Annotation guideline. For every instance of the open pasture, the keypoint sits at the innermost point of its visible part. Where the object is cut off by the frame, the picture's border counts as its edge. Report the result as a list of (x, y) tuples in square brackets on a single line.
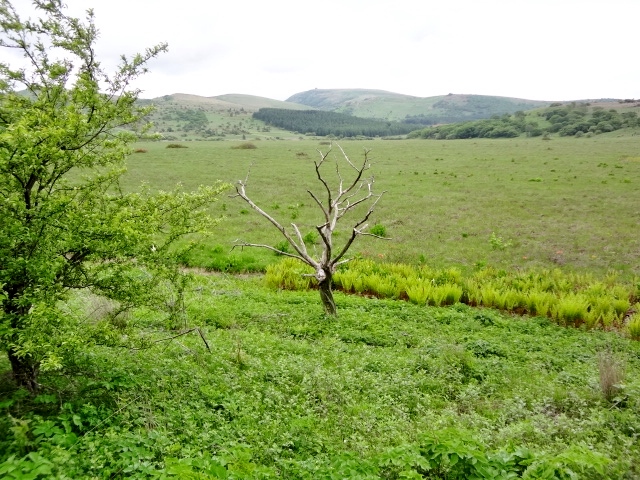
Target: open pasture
[(387, 389), (513, 204)]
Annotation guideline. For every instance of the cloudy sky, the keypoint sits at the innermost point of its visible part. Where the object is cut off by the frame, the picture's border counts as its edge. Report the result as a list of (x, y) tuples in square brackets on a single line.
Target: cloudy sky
[(533, 49)]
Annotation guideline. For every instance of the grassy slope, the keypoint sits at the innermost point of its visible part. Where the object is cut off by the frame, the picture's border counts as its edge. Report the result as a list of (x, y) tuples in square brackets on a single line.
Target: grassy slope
[(567, 203), (288, 393), (232, 113), (228, 114)]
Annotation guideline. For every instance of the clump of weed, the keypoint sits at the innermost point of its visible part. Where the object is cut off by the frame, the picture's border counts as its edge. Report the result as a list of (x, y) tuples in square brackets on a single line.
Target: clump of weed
[(311, 237), (570, 310), (290, 274), (282, 247), (245, 146), (498, 243), (611, 375), (379, 230), (176, 145), (484, 318), (633, 327)]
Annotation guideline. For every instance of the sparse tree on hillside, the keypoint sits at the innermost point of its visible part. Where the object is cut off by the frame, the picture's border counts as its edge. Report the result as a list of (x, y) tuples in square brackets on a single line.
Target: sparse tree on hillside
[(64, 222), (348, 197)]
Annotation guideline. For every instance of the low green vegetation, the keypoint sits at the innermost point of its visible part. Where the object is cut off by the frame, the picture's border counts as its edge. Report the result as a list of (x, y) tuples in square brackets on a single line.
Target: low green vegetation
[(395, 386), (386, 390), (450, 359), (568, 299)]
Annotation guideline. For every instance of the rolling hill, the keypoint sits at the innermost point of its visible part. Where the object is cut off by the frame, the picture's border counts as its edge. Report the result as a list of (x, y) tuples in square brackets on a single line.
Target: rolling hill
[(420, 110), (183, 116)]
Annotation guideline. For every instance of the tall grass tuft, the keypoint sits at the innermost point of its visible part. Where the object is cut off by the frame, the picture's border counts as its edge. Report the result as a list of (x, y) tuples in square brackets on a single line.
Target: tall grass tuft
[(538, 302), (289, 274), (571, 310), (633, 327), (419, 293), (447, 294), (245, 146), (611, 375)]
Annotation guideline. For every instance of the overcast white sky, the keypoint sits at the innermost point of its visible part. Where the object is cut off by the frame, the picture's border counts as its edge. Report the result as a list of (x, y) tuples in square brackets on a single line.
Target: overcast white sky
[(533, 49)]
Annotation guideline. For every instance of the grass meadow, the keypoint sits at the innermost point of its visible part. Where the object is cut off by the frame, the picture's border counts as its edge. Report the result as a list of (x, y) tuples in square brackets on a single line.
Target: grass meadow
[(512, 204), (261, 384)]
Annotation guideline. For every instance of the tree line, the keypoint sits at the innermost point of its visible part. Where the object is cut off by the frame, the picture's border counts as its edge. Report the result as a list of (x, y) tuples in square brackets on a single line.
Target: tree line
[(579, 119), (317, 122), (566, 120), (505, 126)]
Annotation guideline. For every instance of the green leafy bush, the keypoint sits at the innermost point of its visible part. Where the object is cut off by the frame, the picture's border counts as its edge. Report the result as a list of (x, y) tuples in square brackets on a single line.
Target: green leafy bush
[(633, 327), (379, 230)]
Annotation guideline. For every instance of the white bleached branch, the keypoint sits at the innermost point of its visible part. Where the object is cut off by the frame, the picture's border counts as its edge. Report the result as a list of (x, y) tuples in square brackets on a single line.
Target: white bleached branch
[(336, 205)]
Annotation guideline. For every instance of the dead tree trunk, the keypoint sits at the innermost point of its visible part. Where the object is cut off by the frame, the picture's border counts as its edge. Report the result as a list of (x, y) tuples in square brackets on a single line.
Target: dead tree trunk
[(333, 204), (326, 295)]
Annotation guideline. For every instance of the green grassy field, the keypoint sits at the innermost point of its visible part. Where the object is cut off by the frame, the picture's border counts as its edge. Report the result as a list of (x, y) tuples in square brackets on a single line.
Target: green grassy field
[(389, 389), (513, 204)]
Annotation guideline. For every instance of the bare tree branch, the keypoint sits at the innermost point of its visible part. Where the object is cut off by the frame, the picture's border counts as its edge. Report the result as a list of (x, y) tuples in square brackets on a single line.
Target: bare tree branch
[(339, 202), (323, 157), (303, 255), (269, 247)]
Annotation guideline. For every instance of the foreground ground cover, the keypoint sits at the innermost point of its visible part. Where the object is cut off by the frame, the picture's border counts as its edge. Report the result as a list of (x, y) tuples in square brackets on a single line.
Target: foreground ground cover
[(386, 390), (518, 203)]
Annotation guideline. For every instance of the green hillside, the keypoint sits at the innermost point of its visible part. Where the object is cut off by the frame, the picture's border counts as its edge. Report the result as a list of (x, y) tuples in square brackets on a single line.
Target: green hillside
[(571, 119), (229, 117), (420, 110), (192, 117)]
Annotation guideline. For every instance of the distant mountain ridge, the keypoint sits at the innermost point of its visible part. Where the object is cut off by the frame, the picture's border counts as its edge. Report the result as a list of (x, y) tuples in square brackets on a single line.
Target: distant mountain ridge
[(230, 116), (385, 105), (367, 103), (237, 101)]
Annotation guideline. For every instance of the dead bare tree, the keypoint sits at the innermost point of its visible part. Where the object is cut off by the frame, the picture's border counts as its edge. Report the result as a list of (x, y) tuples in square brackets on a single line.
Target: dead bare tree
[(334, 205)]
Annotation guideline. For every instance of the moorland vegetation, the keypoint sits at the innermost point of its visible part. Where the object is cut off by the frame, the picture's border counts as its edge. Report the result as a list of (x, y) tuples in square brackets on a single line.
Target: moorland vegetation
[(573, 119), (495, 336), (391, 106)]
